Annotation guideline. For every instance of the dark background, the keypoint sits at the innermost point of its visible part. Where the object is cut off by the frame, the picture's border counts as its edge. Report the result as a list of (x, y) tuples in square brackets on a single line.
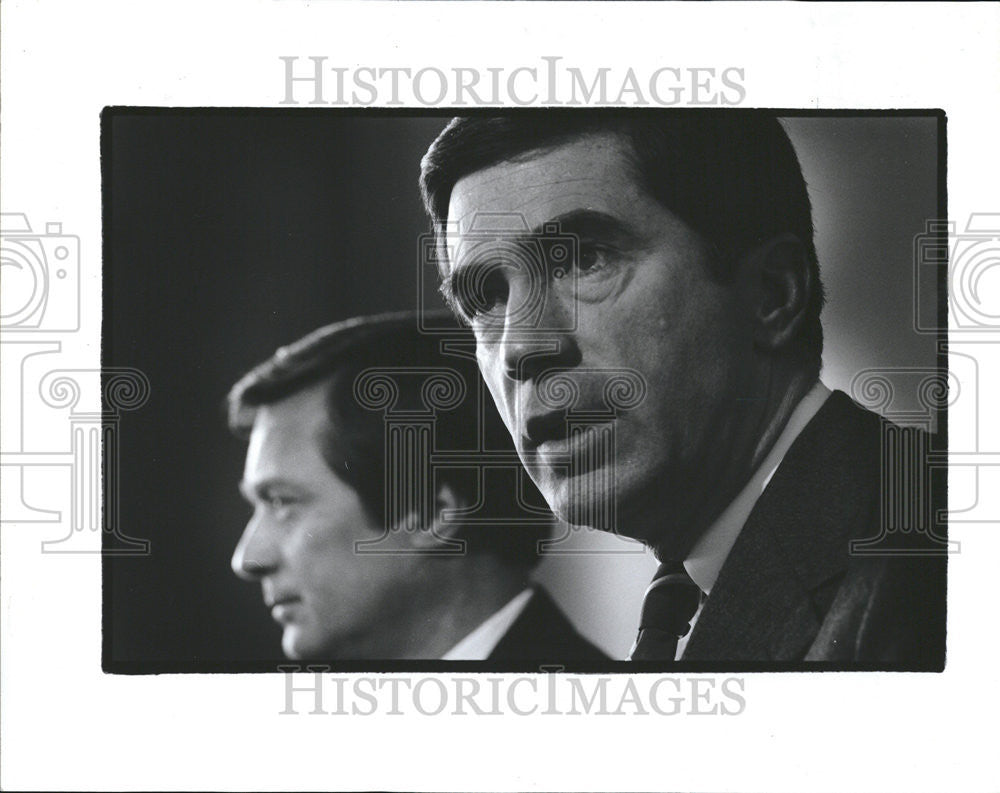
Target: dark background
[(230, 233)]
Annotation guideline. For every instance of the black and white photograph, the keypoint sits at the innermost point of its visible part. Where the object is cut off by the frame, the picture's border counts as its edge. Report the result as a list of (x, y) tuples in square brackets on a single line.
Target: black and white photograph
[(591, 388), (410, 395)]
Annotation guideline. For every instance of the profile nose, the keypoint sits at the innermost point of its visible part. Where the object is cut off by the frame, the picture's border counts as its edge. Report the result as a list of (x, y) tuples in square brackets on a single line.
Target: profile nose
[(256, 553)]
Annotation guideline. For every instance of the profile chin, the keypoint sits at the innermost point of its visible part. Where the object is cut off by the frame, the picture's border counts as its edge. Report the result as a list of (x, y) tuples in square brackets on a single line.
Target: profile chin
[(289, 646)]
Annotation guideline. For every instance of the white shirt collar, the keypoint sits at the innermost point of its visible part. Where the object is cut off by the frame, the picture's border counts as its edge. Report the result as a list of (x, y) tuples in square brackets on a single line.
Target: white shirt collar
[(478, 645), (707, 556)]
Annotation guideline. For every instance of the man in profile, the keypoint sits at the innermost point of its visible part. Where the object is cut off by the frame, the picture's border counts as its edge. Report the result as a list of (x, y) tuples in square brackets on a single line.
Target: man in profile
[(365, 547), (695, 274)]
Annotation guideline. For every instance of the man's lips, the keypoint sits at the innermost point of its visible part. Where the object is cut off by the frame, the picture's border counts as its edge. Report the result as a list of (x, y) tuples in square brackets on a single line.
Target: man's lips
[(543, 427), (547, 442), (280, 600), (283, 608)]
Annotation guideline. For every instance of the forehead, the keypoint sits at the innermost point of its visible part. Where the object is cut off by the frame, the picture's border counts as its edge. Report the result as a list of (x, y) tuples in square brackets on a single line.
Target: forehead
[(288, 431), (593, 171)]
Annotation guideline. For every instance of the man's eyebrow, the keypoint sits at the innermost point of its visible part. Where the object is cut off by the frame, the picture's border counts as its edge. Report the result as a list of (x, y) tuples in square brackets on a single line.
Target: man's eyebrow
[(578, 222), (589, 223), (581, 223)]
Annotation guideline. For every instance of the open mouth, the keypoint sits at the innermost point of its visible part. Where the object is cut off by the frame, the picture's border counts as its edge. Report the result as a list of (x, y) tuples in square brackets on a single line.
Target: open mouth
[(574, 453), (544, 428)]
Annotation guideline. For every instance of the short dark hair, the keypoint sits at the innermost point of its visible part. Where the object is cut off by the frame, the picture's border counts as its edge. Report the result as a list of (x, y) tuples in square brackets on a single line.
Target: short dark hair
[(731, 175), (354, 445)]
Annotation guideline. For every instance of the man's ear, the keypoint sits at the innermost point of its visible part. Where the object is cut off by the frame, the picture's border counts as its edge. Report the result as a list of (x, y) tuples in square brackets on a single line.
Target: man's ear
[(445, 525), (781, 287)]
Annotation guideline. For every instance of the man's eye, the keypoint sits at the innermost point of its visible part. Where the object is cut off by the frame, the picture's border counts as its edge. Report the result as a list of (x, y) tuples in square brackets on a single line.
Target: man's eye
[(480, 291), (278, 503), (592, 257)]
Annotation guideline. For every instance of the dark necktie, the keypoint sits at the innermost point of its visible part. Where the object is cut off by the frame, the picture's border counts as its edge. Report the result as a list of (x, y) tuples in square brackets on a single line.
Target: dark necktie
[(670, 602)]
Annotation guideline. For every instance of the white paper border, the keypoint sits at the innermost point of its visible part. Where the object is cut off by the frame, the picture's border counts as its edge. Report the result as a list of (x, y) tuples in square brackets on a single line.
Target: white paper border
[(67, 726)]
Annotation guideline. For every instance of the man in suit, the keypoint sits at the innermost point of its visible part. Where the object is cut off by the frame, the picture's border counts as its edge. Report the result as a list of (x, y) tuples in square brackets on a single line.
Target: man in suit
[(391, 518), (694, 277)]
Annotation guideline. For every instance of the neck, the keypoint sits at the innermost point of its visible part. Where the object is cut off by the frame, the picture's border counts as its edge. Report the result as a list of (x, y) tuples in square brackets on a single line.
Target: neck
[(752, 439), (456, 596)]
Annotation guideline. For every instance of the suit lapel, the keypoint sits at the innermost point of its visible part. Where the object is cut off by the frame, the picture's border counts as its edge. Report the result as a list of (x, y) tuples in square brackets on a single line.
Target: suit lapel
[(774, 588)]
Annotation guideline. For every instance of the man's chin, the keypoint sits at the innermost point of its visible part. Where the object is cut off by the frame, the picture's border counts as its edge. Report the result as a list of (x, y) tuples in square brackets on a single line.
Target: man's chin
[(595, 504), (297, 646), (590, 506), (300, 646), (290, 645)]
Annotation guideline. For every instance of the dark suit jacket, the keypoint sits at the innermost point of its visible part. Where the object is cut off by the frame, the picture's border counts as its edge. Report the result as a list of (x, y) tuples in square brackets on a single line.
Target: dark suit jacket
[(792, 590), (543, 634)]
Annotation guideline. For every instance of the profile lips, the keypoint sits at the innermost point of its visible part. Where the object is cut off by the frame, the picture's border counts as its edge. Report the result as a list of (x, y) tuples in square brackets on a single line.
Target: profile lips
[(279, 601)]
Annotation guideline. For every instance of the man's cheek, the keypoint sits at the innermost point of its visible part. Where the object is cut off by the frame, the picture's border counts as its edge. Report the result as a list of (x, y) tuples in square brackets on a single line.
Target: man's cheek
[(510, 418), (504, 400), (488, 369)]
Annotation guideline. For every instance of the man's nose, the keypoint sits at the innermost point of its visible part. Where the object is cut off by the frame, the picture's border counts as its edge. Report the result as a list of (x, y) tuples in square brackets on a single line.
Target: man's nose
[(257, 552), (538, 331)]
